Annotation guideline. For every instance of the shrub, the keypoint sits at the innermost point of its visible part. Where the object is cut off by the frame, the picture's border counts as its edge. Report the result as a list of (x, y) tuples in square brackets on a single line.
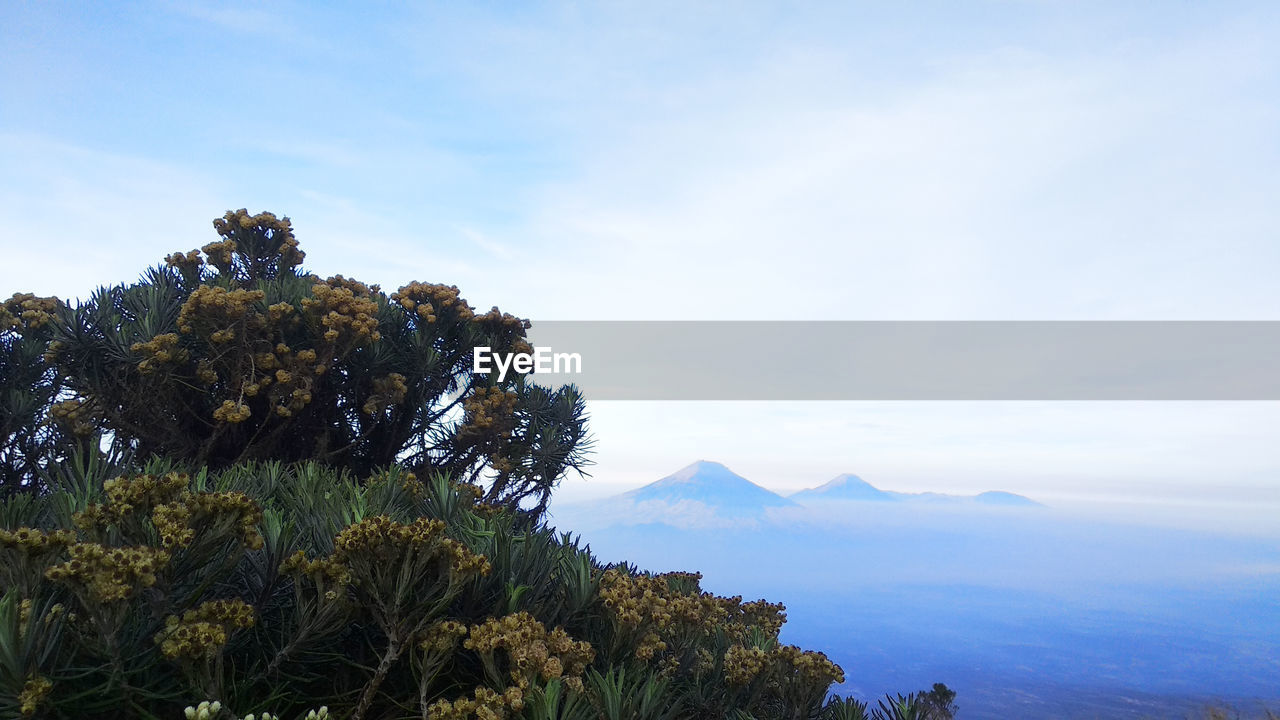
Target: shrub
[(278, 588), (233, 354), (235, 489)]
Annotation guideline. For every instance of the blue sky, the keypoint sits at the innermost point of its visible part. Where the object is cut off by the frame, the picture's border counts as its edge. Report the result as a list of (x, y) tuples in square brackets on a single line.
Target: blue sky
[(650, 160)]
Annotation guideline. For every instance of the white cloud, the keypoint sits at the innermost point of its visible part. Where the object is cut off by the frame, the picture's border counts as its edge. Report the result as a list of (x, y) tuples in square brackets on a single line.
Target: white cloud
[(1010, 186), (76, 218)]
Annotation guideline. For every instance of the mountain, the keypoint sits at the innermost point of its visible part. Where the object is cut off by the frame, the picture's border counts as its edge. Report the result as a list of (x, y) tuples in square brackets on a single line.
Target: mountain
[(711, 484), (708, 495), (852, 487), (844, 487), (999, 497), (703, 495)]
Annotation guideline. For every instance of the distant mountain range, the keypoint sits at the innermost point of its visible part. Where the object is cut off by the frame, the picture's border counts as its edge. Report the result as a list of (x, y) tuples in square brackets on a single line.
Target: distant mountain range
[(709, 494), (852, 487)]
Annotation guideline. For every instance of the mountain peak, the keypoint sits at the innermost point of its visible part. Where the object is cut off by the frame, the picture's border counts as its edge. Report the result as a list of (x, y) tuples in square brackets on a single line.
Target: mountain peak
[(844, 481), (1000, 497), (710, 483), (702, 470), (844, 487)]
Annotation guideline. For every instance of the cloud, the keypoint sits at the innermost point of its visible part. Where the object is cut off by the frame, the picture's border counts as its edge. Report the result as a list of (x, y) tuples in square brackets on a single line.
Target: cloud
[(488, 244), (80, 217), (1024, 190)]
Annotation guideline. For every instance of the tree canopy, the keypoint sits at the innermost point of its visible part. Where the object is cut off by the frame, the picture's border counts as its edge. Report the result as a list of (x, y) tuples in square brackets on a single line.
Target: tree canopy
[(234, 353)]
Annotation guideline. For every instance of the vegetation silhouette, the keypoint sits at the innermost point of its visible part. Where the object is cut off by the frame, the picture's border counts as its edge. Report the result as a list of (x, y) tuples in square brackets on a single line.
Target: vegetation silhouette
[(235, 488)]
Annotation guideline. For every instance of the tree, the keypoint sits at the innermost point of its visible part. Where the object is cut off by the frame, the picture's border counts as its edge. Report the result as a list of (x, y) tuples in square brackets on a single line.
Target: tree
[(233, 354), (940, 701), (267, 540), (34, 430)]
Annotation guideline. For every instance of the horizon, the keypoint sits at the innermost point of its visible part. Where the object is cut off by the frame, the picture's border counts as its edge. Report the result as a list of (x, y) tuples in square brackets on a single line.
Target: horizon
[(1227, 516)]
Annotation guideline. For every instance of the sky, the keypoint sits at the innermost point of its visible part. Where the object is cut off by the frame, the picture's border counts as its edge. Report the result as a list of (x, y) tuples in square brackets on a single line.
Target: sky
[(709, 161)]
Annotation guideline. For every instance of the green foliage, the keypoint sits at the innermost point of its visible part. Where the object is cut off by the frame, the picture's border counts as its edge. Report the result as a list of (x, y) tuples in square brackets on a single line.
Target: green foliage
[(235, 354), (235, 489), (280, 588), (940, 701), (33, 431), (845, 709), (904, 707), (615, 696)]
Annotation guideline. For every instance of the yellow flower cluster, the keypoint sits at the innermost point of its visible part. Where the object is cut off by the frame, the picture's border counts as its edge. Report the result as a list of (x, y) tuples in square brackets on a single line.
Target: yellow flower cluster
[(24, 615), (290, 375), (25, 311), (258, 364), (174, 510), (650, 645), (648, 600), (216, 311), (703, 662), (659, 612), (381, 539), (7, 319), (34, 543), (280, 311), (442, 637), (812, 667), (232, 412), (412, 485), (485, 704), (33, 693), (281, 230), (345, 309), (186, 262), (229, 505), (205, 372), (73, 415), (428, 301), (324, 572), (109, 574), (221, 254), (205, 711), (201, 633), (744, 664), (490, 409), (488, 422), (767, 616), (355, 286), (269, 246), (127, 493), (470, 491), (531, 650), (158, 351), (507, 330), (387, 391)]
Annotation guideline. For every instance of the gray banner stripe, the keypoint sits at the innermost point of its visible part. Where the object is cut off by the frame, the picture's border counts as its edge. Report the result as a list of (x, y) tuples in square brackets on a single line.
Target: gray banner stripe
[(891, 360)]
